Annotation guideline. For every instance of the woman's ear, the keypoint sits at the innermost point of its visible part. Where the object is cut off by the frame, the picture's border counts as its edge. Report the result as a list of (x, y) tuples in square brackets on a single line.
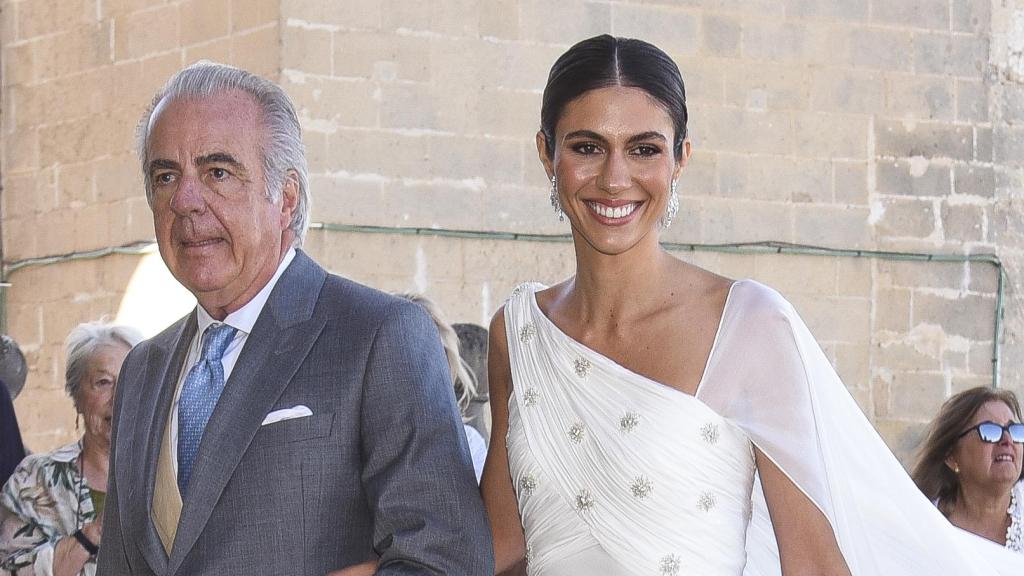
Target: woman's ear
[(683, 159), (546, 156)]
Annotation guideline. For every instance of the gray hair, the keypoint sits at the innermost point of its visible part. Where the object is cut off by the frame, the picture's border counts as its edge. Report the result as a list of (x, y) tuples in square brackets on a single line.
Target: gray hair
[(282, 148), (82, 343)]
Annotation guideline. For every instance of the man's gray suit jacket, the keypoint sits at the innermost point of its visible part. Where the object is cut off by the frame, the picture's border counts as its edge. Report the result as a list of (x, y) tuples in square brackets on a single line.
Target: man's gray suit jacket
[(380, 468)]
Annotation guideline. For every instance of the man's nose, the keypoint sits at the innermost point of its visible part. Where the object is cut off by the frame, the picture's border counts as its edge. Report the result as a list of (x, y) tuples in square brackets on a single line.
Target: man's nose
[(188, 196)]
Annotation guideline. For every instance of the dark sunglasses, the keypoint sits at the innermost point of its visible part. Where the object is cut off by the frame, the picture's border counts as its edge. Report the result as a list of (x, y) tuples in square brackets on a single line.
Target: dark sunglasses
[(992, 433)]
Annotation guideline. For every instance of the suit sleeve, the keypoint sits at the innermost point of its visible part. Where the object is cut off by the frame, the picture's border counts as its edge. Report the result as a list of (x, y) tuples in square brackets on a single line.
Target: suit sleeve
[(417, 470), (112, 559)]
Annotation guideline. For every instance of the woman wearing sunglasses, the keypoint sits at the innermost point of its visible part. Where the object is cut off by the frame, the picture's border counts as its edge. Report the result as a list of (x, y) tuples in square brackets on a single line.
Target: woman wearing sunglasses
[(970, 464)]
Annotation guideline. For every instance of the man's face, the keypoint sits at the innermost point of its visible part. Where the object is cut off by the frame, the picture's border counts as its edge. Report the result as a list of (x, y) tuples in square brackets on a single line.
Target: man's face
[(218, 233)]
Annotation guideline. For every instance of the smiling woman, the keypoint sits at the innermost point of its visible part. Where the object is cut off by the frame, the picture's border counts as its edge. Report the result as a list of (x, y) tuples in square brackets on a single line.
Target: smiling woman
[(53, 503), (652, 417)]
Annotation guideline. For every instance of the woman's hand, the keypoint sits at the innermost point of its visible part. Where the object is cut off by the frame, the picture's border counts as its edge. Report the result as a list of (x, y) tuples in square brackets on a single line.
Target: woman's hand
[(364, 569), (69, 556)]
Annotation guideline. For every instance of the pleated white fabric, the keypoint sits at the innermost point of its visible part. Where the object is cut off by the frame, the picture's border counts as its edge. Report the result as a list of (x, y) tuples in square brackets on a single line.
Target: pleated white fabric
[(618, 474)]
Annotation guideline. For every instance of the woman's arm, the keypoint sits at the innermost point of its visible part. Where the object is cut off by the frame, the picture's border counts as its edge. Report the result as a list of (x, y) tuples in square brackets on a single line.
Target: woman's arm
[(807, 543), (496, 485), (29, 544)]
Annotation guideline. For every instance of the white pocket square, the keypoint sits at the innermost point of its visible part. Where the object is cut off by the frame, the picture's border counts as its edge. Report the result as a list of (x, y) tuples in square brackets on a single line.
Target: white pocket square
[(299, 411)]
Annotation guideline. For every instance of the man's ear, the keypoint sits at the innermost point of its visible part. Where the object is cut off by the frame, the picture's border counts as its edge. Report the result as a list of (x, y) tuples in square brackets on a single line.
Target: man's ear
[(289, 197)]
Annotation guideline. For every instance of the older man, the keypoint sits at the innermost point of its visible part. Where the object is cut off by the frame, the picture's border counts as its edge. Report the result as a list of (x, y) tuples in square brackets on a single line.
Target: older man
[(295, 422)]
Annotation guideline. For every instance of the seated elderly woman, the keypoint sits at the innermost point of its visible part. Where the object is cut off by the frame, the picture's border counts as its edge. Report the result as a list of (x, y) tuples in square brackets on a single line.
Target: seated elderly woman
[(970, 464), (53, 502)]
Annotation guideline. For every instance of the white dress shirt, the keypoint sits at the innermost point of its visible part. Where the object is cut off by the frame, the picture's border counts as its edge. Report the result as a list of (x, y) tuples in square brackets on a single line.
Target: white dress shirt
[(242, 320)]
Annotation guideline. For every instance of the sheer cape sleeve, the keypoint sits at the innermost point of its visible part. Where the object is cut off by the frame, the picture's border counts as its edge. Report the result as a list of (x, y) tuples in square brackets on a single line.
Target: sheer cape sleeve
[(767, 375)]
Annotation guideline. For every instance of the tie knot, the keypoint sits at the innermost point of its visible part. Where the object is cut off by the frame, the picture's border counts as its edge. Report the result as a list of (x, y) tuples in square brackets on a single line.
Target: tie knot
[(215, 341)]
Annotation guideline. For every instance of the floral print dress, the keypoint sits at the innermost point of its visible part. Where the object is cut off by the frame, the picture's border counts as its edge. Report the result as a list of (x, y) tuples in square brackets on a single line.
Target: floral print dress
[(45, 500)]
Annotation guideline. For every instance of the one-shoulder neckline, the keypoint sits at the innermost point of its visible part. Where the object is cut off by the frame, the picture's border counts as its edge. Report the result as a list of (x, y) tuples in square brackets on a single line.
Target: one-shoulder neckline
[(707, 363)]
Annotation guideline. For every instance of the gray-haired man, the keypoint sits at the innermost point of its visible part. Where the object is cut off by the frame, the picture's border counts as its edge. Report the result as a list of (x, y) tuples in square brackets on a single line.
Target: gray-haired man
[(295, 422)]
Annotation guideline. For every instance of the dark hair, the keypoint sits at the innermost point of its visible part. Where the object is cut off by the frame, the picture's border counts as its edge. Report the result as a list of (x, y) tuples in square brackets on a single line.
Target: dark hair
[(931, 474), (604, 61)]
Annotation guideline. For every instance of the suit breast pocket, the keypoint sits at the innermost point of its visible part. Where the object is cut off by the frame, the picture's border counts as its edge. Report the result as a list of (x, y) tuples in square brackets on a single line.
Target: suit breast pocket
[(294, 430)]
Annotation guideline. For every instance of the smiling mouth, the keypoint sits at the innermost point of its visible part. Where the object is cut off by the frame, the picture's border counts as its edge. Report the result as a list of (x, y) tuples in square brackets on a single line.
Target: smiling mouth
[(200, 243), (1005, 458), (616, 213)]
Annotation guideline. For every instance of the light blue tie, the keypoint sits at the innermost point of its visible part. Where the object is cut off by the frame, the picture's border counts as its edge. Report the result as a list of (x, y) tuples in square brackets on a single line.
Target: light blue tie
[(199, 395)]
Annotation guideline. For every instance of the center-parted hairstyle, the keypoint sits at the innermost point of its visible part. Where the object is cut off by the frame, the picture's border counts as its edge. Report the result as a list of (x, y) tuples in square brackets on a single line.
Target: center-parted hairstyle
[(604, 61), (280, 147)]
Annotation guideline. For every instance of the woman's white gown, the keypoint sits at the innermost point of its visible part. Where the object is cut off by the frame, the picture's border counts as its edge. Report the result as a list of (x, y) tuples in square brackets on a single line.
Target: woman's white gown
[(618, 474)]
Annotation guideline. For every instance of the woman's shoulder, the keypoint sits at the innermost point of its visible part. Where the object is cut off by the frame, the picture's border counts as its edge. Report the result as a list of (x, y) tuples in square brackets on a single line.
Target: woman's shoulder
[(37, 469)]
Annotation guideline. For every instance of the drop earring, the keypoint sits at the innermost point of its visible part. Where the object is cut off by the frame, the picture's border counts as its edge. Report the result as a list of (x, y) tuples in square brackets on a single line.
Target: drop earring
[(554, 200), (672, 209)]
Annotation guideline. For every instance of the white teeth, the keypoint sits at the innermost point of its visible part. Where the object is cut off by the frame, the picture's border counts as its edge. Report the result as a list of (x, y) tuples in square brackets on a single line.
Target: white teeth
[(609, 212)]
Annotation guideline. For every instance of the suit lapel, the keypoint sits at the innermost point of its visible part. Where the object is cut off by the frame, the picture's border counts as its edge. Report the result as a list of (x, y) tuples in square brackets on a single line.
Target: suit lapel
[(161, 379), (280, 340)]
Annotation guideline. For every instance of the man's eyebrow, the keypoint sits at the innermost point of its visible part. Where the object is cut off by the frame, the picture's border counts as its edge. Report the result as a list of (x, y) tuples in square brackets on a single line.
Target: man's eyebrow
[(220, 158), (161, 163)]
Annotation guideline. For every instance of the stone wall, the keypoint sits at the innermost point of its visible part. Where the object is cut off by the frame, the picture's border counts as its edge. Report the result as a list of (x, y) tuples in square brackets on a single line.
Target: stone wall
[(855, 124)]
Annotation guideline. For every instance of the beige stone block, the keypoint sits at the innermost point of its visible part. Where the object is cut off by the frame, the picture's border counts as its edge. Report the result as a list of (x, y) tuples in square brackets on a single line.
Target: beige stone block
[(218, 50), (797, 274), (850, 183), (19, 64), (728, 221), (983, 278), (918, 395), (853, 363), (920, 97), (341, 200), (337, 102), (20, 191), (974, 180), (24, 321), (963, 223), (254, 14), (720, 35), (827, 10), (499, 20), (854, 277), (832, 226), (779, 41), (134, 220), (903, 438), (741, 131), (971, 17), (204, 20), (906, 217), (342, 13), (76, 188), (560, 22), (437, 206), (847, 91), (21, 237), (514, 208), (951, 54), (938, 275), (979, 359), (43, 18), (46, 418), (884, 49), (846, 137), (932, 14), (676, 31), (916, 177), (74, 50), (907, 357), (786, 179), (505, 113), (259, 51), (970, 316), (834, 318), (415, 106), (117, 177), (982, 144), (139, 34), (319, 158), (452, 18), (385, 56), (24, 156), (927, 139), (307, 50), (704, 82), (766, 86), (892, 309), (972, 100), (109, 8), (700, 175), (93, 227), (528, 66)]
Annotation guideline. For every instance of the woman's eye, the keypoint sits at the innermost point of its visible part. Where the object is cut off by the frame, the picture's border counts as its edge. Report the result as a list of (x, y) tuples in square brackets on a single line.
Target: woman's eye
[(586, 148), (646, 150), (104, 383)]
